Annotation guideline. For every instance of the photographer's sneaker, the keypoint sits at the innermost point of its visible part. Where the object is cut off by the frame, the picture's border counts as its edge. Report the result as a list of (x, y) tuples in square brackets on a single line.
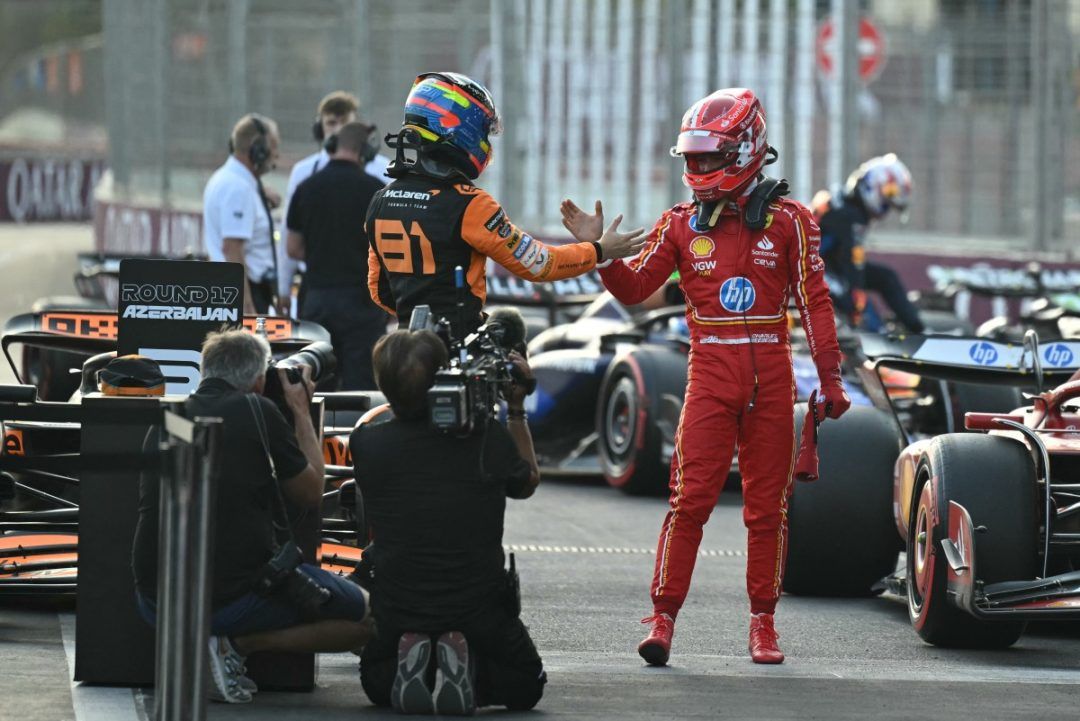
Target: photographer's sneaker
[(226, 673), (410, 693), (454, 695), (238, 665)]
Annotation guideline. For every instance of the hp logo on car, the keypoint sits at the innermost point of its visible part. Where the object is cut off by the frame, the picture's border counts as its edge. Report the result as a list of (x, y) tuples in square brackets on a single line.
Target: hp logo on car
[(737, 294), (1058, 355), (983, 353)]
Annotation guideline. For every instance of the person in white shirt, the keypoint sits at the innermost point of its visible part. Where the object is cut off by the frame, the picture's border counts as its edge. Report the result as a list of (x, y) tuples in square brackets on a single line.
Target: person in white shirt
[(237, 226), (334, 111)]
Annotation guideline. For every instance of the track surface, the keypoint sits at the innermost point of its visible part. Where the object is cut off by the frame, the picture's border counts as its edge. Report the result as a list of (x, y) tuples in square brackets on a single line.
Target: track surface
[(585, 588), (36, 261)]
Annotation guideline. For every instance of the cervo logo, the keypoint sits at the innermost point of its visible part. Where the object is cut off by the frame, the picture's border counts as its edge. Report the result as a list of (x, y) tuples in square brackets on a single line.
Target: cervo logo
[(737, 294), (1058, 355), (983, 353), (702, 246)]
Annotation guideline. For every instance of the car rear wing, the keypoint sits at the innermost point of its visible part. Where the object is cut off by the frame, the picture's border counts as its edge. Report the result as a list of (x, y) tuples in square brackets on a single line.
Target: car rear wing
[(94, 331), (975, 360)]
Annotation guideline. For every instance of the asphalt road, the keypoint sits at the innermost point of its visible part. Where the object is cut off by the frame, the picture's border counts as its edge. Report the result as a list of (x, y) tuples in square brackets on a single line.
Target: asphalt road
[(36, 261), (584, 553)]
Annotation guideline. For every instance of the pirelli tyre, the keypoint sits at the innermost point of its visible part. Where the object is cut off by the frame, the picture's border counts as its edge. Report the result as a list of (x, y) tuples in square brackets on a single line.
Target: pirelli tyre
[(637, 413), (842, 537), (994, 479)]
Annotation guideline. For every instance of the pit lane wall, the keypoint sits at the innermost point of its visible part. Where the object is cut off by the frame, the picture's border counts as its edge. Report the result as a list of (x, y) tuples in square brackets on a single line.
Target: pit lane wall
[(124, 227), (42, 187)]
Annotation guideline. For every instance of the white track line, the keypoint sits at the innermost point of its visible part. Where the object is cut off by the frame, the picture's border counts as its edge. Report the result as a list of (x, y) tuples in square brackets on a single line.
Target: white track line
[(532, 548)]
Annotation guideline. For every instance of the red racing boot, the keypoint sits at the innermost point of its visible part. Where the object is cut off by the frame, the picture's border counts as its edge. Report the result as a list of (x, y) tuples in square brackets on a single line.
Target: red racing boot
[(656, 648), (763, 636)]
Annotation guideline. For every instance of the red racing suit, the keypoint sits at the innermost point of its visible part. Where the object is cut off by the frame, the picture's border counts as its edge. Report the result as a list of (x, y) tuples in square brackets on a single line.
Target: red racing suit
[(740, 386)]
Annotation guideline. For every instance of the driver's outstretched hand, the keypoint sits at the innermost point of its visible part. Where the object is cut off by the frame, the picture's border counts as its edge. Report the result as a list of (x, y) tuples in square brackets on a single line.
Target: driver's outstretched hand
[(621, 245), (584, 227)]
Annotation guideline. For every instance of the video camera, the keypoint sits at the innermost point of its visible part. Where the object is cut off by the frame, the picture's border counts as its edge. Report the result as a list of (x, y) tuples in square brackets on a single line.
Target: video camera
[(465, 393), (318, 356)]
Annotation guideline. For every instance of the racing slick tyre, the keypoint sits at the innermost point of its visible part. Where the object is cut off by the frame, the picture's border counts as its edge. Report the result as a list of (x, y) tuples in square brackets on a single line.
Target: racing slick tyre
[(641, 398), (994, 479), (842, 535)]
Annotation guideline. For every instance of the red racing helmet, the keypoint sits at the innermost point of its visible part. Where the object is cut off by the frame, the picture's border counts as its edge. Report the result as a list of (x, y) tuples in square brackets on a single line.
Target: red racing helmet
[(729, 126)]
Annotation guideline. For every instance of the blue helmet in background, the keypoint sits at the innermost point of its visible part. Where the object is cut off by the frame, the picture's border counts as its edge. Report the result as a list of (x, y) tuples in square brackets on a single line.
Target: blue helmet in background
[(449, 119)]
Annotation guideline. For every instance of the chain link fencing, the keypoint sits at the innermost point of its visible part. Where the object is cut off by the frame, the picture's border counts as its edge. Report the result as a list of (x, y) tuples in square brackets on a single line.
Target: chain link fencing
[(978, 97)]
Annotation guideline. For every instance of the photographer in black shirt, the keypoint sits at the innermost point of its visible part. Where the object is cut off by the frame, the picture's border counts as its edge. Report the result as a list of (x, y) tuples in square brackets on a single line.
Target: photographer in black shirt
[(261, 599), (326, 230), (448, 635)]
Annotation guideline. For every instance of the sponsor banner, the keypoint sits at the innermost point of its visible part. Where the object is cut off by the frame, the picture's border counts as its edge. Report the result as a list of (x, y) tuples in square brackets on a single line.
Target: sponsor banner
[(1058, 355), (48, 189), (123, 229), (167, 307), (922, 271)]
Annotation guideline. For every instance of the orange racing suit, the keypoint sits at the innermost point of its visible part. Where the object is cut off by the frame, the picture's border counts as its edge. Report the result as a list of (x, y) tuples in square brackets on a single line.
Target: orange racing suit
[(420, 228)]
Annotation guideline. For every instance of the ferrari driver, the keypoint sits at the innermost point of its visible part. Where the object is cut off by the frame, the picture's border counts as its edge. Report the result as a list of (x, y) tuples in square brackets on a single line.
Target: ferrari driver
[(431, 219), (741, 250)]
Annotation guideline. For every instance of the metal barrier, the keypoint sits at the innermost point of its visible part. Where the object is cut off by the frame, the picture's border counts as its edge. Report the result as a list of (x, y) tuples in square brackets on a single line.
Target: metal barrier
[(191, 449)]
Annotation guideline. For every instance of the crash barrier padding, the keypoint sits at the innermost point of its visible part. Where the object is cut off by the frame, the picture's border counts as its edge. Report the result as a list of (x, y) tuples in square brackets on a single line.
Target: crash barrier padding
[(112, 643)]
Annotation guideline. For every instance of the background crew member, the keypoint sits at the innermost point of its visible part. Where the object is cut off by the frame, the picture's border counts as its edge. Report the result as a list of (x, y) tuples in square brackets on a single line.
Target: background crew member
[(872, 190), (334, 111), (435, 504), (236, 215), (431, 218), (257, 472), (742, 250), (326, 230)]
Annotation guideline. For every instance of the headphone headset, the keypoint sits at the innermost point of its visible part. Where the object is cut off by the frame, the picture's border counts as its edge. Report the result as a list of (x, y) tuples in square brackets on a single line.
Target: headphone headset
[(317, 130), (259, 152)]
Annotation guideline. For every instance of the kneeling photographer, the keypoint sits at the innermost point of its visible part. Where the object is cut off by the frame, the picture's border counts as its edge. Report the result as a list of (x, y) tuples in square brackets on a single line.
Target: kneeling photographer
[(263, 596), (448, 636)]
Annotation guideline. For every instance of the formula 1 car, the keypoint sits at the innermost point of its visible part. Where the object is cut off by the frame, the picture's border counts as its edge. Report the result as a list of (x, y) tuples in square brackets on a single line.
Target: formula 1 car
[(989, 520), (39, 458)]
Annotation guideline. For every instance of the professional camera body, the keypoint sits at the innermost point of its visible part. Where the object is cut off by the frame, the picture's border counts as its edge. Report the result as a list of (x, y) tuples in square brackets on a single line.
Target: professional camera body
[(479, 374), (283, 575), (319, 357)]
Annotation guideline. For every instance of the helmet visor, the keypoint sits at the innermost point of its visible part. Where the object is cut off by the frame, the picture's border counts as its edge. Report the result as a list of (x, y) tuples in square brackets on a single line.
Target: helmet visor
[(699, 141), (708, 162)]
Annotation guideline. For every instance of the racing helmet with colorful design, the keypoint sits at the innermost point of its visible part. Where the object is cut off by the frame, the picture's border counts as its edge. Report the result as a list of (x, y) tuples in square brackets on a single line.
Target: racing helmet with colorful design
[(729, 123), (454, 117), (881, 183)]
